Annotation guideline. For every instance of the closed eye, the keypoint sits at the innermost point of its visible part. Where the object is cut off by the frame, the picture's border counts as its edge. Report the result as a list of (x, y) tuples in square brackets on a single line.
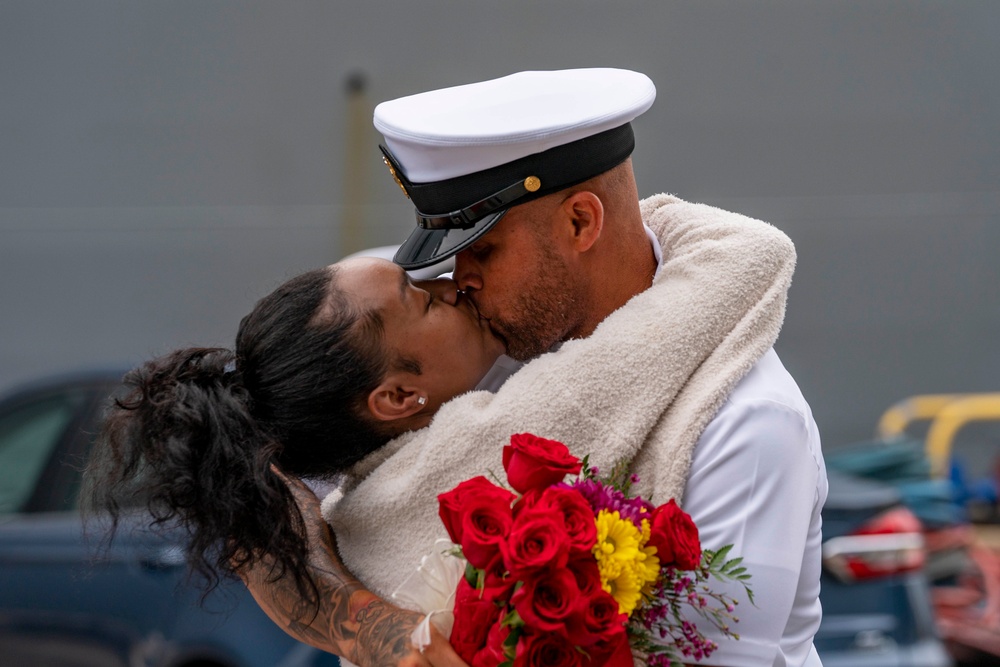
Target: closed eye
[(480, 250)]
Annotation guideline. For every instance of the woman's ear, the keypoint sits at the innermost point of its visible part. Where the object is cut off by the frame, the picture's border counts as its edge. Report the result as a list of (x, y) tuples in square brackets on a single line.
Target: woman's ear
[(392, 400), (586, 213)]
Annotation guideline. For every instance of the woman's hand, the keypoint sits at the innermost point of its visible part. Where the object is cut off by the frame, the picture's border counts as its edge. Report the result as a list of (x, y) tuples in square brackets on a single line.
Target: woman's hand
[(349, 620)]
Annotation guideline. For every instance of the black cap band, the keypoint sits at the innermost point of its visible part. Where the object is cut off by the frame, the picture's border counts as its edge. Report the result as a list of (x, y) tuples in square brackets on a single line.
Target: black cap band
[(457, 203)]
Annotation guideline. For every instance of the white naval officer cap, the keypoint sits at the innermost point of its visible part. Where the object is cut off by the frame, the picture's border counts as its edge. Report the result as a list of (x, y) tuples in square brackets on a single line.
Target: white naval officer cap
[(464, 155)]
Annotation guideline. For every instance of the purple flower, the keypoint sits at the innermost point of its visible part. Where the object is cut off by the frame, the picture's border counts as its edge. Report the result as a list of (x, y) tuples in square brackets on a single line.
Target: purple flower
[(611, 499)]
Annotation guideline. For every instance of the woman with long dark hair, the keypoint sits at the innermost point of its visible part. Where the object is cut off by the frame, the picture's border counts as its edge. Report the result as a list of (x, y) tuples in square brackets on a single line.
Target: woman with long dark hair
[(314, 384)]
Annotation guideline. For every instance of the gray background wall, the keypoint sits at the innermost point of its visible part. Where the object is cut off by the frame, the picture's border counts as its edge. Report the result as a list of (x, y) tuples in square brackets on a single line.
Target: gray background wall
[(164, 164)]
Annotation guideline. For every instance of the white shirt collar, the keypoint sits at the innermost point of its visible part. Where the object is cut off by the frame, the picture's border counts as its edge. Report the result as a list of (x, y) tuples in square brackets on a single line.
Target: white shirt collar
[(657, 249)]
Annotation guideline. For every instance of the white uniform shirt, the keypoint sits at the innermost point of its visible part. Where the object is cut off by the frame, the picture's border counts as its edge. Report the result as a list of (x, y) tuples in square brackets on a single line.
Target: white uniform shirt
[(758, 482)]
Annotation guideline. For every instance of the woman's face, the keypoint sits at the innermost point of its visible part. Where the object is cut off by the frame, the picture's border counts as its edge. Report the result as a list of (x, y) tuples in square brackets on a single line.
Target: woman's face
[(429, 322)]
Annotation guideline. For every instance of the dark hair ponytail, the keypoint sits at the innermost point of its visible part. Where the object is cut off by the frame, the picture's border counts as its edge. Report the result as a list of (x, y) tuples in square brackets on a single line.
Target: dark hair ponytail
[(198, 431)]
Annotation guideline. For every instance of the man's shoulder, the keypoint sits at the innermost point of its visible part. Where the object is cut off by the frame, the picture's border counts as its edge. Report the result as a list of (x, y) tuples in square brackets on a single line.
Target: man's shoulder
[(765, 426), (765, 406), (768, 382)]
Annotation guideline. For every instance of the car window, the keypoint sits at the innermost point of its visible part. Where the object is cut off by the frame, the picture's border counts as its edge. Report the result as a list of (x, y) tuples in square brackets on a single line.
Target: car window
[(29, 434)]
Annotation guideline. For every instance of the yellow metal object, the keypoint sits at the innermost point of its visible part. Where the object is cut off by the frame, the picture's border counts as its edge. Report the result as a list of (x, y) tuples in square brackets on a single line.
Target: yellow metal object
[(896, 419), (395, 177), (950, 420), (532, 183)]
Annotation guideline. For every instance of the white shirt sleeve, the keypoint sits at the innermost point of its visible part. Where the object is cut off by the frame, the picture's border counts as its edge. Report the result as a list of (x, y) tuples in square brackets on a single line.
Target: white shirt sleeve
[(757, 481)]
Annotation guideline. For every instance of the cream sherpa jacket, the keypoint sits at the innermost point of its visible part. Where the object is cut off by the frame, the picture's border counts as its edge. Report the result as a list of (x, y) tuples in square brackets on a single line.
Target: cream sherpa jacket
[(642, 387)]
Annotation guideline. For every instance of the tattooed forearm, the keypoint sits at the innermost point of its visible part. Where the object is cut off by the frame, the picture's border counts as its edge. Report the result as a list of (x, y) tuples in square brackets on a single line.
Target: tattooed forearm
[(346, 619), (385, 637)]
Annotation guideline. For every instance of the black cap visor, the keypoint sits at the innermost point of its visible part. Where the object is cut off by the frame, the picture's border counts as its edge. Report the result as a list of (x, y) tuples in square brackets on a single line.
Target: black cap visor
[(426, 247)]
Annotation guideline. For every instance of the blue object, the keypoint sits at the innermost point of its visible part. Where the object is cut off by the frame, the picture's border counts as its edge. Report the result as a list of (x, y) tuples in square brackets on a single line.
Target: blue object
[(903, 463), (882, 621), (133, 607)]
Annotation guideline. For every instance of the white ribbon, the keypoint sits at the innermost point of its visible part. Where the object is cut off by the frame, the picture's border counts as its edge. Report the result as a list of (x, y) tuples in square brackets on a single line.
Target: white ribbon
[(431, 589)]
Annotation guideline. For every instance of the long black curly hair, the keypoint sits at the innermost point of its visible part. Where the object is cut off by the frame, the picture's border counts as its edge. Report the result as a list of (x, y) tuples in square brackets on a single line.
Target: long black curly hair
[(199, 429)]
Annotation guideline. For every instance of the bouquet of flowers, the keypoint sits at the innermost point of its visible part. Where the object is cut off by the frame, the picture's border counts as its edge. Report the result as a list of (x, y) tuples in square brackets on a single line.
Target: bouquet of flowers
[(578, 572)]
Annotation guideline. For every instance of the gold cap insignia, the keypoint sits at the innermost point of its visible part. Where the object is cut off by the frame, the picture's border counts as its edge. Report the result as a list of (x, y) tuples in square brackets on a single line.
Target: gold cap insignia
[(532, 183), (395, 177)]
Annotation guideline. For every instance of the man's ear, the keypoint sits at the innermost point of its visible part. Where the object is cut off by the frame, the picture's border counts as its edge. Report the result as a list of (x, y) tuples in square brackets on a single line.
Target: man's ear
[(394, 400), (585, 212)]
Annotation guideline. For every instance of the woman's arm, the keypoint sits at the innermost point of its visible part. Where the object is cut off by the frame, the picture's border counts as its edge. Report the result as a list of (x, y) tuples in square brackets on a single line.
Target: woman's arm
[(350, 621)]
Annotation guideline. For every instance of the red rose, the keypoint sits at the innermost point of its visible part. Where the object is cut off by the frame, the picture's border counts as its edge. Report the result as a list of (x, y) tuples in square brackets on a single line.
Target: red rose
[(546, 649), (535, 463), (597, 612), (588, 576), (602, 624), (473, 618), (536, 541), (577, 515), (675, 537), (493, 654), (548, 601), (618, 654), (468, 497), (484, 527), (527, 501)]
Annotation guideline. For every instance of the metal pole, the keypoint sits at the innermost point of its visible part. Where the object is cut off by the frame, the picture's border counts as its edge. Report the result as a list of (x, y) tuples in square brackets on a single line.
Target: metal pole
[(356, 147)]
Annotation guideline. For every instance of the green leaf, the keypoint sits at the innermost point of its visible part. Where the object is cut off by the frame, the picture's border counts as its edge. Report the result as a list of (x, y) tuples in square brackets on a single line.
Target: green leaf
[(510, 644), (720, 555), (472, 575), (729, 564), (513, 620)]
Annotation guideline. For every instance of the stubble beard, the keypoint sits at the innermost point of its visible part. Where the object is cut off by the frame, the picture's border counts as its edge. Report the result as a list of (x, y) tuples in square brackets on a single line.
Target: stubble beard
[(544, 314)]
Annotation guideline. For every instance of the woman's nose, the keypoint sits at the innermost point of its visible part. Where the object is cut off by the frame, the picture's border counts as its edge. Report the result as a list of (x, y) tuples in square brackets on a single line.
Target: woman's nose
[(445, 289)]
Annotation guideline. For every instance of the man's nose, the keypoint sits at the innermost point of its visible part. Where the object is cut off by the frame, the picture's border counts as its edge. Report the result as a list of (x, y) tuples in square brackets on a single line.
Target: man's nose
[(445, 289), (466, 273)]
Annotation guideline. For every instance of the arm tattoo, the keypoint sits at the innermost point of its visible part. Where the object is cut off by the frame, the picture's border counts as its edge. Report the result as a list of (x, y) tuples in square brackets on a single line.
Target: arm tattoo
[(348, 620)]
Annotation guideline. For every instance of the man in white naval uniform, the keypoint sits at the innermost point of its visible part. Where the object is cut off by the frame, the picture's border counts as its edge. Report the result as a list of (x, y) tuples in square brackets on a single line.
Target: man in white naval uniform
[(479, 163)]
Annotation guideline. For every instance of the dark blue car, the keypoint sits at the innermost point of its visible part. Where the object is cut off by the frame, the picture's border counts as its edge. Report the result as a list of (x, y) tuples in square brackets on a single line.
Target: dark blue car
[(133, 606)]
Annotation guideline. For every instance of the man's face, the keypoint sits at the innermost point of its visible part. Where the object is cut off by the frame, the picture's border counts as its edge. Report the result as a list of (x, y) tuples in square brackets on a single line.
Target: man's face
[(520, 282)]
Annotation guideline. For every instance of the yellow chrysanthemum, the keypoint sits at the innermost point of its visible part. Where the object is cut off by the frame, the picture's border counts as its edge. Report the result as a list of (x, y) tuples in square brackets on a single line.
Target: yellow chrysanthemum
[(650, 564), (628, 567)]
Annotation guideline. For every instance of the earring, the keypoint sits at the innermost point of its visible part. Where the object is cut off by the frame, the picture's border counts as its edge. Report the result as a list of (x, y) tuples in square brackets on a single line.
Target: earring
[(422, 400)]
